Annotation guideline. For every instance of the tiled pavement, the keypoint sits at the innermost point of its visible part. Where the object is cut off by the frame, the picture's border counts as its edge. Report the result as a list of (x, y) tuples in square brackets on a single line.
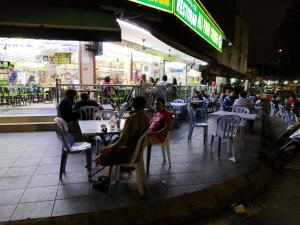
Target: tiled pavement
[(30, 187)]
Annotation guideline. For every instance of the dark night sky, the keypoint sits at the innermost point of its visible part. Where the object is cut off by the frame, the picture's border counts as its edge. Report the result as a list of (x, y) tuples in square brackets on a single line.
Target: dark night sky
[(265, 20)]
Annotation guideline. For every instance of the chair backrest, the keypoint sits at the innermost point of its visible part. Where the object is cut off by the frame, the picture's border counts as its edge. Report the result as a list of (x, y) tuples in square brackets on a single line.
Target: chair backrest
[(123, 107), (105, 115), (241, 109), (63, 132), (139, 148), (200, 115), (281, 109), (88, 112), (252, 99), (179, 101), (272, 108), (227, 126), (287, 118)]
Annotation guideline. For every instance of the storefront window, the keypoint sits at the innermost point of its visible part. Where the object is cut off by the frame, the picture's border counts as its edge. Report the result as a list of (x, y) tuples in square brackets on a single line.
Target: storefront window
[(176, 70), (40, 61)]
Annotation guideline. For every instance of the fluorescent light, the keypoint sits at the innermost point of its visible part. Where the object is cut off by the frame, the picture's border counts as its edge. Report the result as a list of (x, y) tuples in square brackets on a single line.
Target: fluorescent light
[(132, 26), (285, 82), (295, 81)]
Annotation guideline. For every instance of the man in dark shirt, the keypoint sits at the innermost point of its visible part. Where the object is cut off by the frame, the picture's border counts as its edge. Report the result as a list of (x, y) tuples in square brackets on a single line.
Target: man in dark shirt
[(85, 101), (66, 111)]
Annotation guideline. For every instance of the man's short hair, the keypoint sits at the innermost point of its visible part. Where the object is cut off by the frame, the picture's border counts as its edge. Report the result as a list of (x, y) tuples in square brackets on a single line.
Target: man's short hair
[(139, 102), (197, 92), (243, 94), (161, 99), (70, 93), (12, 65), (84, 96), (164, 78)]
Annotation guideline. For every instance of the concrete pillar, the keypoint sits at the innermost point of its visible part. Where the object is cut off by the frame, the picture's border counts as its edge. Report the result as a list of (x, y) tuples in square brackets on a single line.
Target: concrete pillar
[(87, 65)]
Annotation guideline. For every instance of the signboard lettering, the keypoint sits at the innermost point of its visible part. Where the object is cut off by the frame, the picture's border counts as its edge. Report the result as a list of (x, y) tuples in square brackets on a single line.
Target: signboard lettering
[(164, 5), (193, 15)]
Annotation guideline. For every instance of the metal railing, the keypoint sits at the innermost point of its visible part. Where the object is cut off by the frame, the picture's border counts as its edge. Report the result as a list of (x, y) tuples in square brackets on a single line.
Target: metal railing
[(118, 94)]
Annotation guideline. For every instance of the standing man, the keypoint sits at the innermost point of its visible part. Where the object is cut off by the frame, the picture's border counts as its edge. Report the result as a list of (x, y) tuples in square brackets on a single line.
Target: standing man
[(13, 77)]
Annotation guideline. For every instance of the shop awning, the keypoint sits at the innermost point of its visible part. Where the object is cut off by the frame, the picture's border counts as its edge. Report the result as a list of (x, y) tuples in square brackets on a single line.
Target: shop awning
[(55, 22)]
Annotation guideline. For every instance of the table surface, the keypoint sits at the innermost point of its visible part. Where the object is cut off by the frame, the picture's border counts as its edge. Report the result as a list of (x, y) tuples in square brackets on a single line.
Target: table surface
[(296, 133), (93, 127), (197, 101), (107, 107), (178, 104), (242, 115)]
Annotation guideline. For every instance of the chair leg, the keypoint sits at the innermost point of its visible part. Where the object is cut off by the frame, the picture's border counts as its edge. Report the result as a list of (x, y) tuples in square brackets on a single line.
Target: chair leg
[(65, 162), (62, 163), (163, 151), (110, 174), (205, 133), (190, 133), (212, 142), (167, 147), (242, 136), (219, 145), (148, 158), (139, 179), (88, 154)]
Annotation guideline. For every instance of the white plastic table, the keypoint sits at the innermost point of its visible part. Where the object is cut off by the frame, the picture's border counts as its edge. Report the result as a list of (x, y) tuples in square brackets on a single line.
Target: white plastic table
[(242, 115), (93, 127)]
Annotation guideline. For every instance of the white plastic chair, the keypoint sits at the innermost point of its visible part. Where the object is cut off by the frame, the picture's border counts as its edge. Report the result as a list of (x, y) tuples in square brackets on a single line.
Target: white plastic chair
[(272, 109), (165, 147), (88, 112), (136, 161), (227, 127), (68, 147), (243, 123), (122, 110), (201, 122), (281, 110)]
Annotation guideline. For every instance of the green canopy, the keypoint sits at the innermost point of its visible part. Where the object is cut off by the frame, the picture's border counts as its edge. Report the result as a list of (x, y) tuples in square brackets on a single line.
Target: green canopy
[(59, 22)]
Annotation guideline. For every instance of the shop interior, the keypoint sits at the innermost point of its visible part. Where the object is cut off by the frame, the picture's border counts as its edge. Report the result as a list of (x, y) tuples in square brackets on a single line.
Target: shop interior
[(44, 61)]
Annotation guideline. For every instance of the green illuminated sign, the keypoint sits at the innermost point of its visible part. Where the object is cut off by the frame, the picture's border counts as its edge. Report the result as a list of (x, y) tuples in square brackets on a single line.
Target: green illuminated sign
[(193, 15), (164, 5)]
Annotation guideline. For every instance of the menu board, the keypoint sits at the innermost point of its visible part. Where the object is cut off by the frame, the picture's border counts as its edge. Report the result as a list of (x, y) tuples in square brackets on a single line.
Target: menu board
[(4, 64)]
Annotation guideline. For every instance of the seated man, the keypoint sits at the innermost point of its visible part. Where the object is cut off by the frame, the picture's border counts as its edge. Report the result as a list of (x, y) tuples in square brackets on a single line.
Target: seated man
[(228, 101), (84, 101), (65, 111), (243, 101), (135, 126), (161, 119)]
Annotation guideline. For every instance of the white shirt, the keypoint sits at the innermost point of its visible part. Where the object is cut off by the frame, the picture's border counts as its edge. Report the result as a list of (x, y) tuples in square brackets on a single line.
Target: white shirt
[(162, 83), (243, 102)]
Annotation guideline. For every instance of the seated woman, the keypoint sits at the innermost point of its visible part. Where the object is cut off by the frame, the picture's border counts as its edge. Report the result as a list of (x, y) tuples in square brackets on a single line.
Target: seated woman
[(135, 126)]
